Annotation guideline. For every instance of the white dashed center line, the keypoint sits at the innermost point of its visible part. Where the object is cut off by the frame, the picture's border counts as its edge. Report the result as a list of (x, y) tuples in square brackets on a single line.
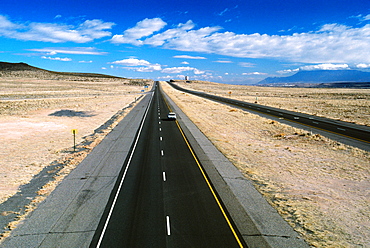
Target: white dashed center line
[(164, 176), (168, 225), (162, 153)]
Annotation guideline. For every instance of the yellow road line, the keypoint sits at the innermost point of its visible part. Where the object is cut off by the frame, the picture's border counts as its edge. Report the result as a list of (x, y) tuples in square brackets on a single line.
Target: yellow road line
[(207, 181), (211, 188)]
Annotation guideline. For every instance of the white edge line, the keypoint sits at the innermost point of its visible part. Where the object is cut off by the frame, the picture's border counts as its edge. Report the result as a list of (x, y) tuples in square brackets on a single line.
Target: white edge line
[(123, 177)]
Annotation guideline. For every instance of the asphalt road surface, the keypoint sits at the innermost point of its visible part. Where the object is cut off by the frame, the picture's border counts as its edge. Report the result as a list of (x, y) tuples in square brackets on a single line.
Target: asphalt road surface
[(164, 198)]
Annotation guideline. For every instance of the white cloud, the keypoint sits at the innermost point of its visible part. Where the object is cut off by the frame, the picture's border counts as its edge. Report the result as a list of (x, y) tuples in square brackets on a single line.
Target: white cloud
[(142, 29), (227, 10), (324, 67), (254, 73), (288, 71), (331, 43), (196, 71), (185, 63), (57, 58), (131, 62), (363, 66), (188, 57), (55, 33), (177, 69), (223, 61), (182, 69), (7, 26), (95, 29), (164, 77), (246, 64), (69, 50), (182, 38), (139, 65), (150, 68), (88, 62), (362, 18)]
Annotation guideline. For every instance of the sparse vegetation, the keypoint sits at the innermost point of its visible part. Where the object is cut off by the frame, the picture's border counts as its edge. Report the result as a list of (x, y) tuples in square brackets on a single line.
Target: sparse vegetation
[(302, 174), (350, 105), (319, 186), (35, 135)]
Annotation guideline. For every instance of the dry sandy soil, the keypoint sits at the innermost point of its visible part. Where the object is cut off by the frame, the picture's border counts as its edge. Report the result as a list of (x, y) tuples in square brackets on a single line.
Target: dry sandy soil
[(319, 186), (350, 105), (36, 119)]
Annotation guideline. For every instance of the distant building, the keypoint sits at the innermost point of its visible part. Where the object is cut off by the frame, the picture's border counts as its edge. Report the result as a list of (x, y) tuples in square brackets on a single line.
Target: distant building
[(186, 77)]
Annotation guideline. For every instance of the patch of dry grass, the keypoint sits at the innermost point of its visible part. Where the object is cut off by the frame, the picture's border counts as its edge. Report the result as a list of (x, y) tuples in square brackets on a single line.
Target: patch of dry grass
[(33, 137), (350, 105), (319, 186)]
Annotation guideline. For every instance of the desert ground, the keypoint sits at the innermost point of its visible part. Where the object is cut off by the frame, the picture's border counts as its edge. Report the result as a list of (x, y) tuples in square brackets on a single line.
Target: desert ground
[(36, 122), (344, 104), (319, 186)]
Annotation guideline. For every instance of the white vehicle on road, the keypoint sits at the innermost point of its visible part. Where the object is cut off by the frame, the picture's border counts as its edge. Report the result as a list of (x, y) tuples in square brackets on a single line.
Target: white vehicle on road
[(171, 116)]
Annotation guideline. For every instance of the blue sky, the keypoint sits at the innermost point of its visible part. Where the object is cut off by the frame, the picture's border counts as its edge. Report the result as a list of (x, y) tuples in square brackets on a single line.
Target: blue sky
[(228, 41)]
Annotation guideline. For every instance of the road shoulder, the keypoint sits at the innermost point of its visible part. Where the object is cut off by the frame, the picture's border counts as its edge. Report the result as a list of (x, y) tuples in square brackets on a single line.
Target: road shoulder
[(258, 223), (71, 214)]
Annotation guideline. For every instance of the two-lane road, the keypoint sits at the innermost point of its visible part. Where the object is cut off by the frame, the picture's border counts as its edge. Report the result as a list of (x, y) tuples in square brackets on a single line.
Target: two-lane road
[(163, 198)]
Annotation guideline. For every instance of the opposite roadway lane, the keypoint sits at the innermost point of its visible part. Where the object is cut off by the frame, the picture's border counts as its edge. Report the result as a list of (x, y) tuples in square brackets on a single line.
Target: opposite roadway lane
[(163, 197)]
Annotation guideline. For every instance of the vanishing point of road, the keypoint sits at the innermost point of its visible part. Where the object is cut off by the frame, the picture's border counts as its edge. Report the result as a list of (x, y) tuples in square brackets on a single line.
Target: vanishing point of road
[(163, 197)]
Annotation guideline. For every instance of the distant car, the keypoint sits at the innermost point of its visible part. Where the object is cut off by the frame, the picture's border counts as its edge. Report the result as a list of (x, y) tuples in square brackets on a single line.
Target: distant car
[(171, 116)]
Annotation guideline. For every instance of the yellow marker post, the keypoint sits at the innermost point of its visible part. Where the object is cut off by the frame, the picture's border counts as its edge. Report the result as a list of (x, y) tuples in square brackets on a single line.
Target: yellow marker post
[(74, 132)]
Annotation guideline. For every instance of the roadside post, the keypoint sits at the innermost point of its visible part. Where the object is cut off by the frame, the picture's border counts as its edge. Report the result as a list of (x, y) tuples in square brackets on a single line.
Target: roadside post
[(74, 132)]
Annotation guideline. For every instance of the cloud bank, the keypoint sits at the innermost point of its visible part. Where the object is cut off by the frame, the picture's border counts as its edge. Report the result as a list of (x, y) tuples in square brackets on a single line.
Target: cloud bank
[(142, 29), (56, 58), (55, 33), (331, 43), (330, 67), (69, 50), (141, 65), (188, 57)]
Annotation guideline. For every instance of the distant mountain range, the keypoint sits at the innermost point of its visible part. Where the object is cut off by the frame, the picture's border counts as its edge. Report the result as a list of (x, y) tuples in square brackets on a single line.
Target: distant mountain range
[(325, 78)]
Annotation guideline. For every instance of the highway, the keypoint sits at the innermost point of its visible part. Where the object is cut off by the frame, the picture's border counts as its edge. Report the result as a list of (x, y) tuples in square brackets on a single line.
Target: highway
[(163, 198), (358, 132)]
